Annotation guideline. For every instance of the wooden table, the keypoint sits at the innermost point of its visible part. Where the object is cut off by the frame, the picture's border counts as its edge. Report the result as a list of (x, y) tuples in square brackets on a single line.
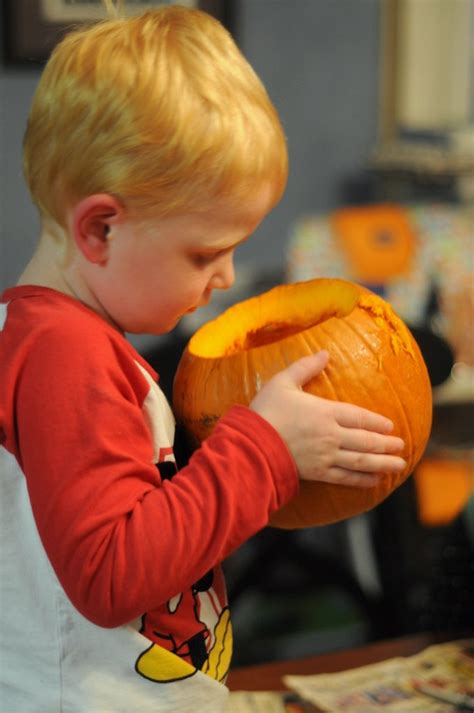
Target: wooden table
[(268, 677)]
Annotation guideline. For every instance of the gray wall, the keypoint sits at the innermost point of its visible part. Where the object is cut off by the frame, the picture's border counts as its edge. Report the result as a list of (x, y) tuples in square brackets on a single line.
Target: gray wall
[(319, 61), (18, 217)]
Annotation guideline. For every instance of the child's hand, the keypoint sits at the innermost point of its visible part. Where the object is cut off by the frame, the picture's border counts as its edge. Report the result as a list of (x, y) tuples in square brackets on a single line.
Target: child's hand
[(330, 441)]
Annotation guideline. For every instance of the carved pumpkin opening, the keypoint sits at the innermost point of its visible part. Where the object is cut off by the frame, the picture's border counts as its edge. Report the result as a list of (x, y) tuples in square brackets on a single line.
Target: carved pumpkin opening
[(282, 312)]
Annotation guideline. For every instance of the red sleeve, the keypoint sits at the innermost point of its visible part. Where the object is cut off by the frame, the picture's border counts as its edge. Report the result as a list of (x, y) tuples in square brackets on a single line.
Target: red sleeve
[(121, 542)]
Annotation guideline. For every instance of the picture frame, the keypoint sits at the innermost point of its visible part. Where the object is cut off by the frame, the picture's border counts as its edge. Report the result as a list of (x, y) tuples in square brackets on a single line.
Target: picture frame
[(31, 28)]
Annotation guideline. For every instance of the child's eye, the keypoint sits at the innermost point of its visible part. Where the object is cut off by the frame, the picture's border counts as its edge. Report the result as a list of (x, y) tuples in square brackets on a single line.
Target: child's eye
[(203, 259)]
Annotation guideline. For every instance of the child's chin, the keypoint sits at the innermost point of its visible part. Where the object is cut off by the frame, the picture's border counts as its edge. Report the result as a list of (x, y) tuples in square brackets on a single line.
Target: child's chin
[(152, 329)]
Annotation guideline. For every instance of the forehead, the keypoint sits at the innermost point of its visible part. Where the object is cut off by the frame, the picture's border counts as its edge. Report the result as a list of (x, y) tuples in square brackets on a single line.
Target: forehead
[(218, 225), (245, 213)]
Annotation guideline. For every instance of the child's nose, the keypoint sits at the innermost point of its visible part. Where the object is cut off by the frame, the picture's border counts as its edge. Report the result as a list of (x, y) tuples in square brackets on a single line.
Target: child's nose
[(224, 275)]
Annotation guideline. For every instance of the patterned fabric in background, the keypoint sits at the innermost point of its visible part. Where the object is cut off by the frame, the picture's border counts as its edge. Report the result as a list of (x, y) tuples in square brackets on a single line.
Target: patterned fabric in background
[(442, 260)]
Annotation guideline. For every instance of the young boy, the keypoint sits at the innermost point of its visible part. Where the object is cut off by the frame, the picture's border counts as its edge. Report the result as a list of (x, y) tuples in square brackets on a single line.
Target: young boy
[(152, 151)]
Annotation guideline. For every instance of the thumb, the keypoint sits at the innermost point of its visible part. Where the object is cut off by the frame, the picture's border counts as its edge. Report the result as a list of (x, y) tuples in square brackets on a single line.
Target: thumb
[(306, 368)]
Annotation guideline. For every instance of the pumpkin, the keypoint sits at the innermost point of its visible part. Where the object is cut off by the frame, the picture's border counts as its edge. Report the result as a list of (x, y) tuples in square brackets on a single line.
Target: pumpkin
[(377, 241), (374, 362)]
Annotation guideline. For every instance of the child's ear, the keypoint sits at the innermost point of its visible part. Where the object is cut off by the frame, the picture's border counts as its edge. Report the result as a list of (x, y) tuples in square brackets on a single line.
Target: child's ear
[(92, 219)]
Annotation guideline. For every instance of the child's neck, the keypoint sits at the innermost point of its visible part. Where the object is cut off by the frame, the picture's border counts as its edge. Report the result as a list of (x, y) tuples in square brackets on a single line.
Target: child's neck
[(44, 268)]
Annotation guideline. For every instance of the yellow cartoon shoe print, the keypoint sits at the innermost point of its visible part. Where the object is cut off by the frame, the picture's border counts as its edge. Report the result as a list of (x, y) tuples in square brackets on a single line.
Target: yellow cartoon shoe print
[(201, 638)]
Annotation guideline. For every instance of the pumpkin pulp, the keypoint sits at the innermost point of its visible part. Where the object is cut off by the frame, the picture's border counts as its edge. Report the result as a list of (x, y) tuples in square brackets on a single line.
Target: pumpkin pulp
[(285, 310)]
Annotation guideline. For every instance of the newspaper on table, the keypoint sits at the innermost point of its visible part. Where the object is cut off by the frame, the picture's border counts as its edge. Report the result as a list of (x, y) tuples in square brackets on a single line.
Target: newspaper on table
[(412, 684), (266, 702), (255, 702)]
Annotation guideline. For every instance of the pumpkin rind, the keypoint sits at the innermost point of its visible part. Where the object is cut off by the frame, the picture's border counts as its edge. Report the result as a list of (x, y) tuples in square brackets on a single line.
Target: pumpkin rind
[(374, 363)]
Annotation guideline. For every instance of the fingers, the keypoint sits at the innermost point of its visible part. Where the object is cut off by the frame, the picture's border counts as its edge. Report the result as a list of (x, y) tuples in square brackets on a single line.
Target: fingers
[(352, 416), (369, 462), (341, 476), (354, 439), (302, 370)]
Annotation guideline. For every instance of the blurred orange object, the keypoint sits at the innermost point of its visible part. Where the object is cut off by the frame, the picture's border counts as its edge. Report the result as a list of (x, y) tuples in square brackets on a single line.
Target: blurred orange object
[(377, 240), (443, 487)]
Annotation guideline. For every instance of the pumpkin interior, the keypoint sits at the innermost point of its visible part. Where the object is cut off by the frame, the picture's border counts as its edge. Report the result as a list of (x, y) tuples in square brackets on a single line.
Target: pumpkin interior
[(285, 310)]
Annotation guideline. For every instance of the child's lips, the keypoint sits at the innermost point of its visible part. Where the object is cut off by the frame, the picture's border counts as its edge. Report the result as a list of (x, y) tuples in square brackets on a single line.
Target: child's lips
[(205, 301)]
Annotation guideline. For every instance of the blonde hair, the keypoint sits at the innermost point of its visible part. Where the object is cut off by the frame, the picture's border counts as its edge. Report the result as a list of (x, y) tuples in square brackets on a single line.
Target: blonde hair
[(160, 110)]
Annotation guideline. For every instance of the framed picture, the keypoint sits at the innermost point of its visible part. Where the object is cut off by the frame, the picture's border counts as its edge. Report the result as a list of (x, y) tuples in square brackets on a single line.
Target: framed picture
[(31, 28)]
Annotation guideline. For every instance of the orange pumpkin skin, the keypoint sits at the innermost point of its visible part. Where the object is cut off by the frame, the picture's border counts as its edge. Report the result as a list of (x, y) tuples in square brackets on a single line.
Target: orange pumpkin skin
[(374, 363)]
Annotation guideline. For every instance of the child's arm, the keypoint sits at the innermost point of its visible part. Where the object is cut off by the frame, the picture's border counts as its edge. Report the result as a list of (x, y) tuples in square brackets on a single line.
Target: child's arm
[(330, 441), (121, 541)]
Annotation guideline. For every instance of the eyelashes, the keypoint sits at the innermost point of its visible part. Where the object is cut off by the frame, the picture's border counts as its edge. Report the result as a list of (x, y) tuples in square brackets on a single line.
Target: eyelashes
[(204, 259)]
